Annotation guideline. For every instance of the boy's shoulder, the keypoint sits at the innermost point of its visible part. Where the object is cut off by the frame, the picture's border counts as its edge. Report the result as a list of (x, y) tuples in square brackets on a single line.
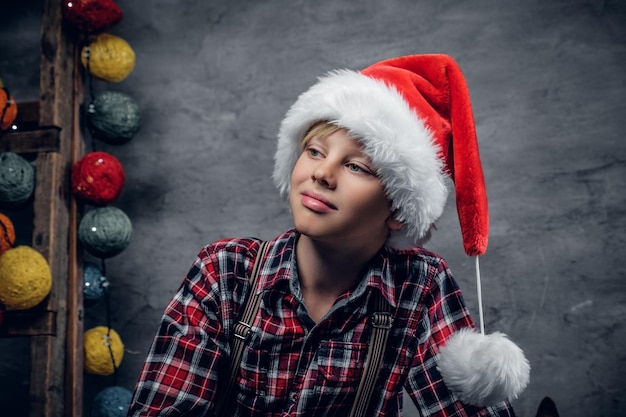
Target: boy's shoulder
[(233, 244), (234, 258), (416, 254), (417, 265), (415, 272), (246, 245)]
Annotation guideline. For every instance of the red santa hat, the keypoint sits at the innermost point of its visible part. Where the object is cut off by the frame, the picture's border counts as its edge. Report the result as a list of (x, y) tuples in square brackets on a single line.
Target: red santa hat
[(414, 118)]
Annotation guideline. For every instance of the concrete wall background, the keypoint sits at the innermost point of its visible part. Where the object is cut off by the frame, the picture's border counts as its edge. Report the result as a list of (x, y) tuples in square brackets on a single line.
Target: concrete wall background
[(214, 79)]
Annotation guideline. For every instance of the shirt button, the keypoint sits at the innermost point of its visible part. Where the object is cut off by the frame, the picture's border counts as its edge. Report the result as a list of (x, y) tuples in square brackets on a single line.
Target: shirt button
[(294, 397)]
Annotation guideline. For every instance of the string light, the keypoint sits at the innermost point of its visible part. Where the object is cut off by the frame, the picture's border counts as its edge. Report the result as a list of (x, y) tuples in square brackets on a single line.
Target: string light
[(97, 181)]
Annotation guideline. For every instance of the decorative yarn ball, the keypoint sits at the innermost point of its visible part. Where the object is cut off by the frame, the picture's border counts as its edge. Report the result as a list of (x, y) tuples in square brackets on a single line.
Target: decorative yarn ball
[(100, 343), (7, 234), (25, 278), (98, 178), (105, 231), (114, 118), (92, 284), (111, 402), (109, 58), (17, 179), (92, 16), (8, 108)]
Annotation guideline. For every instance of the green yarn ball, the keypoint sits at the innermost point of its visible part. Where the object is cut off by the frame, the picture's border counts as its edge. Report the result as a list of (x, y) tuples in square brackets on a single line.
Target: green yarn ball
[(17, 179), (114, 118), (105, 231)]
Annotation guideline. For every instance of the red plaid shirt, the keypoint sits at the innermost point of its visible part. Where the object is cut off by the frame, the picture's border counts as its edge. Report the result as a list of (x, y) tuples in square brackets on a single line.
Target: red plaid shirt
[(292, 366)]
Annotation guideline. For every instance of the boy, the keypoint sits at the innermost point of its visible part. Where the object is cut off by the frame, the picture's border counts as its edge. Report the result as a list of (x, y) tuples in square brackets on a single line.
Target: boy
[(364, 158)]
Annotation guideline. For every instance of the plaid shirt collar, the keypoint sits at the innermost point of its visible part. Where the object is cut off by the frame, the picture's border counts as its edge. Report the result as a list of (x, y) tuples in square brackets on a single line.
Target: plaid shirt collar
[(280, 270)]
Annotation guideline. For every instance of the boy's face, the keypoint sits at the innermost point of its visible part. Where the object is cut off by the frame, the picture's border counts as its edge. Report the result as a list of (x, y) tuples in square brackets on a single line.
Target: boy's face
[(335, 194)]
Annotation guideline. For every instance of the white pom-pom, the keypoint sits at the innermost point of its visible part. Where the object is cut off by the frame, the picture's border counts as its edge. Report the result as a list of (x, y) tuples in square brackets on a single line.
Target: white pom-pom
[(483, 370)]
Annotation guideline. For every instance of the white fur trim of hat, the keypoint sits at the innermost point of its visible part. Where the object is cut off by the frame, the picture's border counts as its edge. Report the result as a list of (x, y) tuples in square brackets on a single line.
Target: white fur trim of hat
[(399, 144)]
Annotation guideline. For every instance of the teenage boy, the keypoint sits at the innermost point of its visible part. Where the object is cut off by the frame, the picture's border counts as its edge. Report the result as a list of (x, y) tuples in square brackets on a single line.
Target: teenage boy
[(365, 159)]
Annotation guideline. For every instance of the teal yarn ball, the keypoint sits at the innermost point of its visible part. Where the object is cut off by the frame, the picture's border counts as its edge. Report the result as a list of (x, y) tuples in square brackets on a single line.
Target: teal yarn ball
[(105, 231), (111, 402), (17, 179), (114, 118), (92, 284)]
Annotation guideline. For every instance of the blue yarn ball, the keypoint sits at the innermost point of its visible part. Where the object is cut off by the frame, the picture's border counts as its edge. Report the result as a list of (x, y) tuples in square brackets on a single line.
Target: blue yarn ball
[(105, 231), (92, 284), (111, 402), (17, 179)]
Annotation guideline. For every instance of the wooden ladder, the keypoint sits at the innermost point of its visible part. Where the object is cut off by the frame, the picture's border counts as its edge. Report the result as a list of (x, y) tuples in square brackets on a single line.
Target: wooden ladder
[(49, 131)]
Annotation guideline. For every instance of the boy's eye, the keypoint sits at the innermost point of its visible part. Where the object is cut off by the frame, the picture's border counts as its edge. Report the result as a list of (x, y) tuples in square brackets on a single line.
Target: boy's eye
[(357, 168), (313, 152)]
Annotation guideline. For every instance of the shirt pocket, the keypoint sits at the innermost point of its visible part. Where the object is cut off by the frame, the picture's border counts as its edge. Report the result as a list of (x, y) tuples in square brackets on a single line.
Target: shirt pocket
[(252, 379), (340, 367)]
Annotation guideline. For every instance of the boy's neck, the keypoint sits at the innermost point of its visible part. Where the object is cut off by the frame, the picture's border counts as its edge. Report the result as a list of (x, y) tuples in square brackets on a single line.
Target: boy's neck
[(328, 270)]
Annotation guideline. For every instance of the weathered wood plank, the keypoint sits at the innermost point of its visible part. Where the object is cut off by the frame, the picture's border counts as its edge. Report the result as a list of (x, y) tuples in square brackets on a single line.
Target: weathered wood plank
[(18, 323), (27, 115), (75, 325), (32, 141), (51, 211)]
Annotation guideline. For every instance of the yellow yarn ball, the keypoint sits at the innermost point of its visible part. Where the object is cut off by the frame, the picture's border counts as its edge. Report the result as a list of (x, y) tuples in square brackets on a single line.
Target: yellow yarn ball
[(25, 278), (110, 58), (98, 359)]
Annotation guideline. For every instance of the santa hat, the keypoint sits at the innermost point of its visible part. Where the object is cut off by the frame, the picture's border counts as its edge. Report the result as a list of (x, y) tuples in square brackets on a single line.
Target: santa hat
[(414, 118)]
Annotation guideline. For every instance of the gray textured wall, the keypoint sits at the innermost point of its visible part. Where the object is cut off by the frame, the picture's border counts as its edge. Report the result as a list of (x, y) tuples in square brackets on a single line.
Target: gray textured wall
[(214, 79)]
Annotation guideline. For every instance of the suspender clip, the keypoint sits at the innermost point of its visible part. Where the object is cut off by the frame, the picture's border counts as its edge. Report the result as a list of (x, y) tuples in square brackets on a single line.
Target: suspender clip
[(382, 320), (242, 330)]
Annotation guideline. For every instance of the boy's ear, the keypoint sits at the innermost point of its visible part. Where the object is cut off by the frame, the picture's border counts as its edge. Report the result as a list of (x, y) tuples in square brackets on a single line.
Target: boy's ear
[(394, 224)]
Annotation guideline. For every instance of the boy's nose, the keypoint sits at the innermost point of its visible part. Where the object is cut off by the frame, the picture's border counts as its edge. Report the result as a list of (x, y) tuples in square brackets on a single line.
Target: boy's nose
[(324, 176)]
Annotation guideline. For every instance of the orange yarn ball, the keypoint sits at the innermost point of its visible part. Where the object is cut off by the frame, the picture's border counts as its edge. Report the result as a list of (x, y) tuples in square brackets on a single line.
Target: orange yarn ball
[(8, 109), (7, 234)]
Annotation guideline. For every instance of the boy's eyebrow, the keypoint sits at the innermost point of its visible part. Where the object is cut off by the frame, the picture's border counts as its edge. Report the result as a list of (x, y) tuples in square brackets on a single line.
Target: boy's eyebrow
[(324, 139)]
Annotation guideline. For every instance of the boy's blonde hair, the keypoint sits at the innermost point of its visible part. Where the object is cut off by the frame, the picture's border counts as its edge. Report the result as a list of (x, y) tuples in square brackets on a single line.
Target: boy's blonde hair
[(323, 129)]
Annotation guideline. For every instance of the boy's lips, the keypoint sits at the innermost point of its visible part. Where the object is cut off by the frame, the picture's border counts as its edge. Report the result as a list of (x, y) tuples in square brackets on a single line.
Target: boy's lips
[(316, 202)]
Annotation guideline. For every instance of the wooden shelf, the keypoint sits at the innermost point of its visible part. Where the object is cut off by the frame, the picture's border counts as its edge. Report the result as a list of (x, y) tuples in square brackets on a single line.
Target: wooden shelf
[(49, 130), (46, 139), (28, 323)]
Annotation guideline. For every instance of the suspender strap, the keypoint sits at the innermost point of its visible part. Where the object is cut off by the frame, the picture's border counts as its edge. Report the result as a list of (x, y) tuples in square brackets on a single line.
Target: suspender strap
[(242, 331), (382, 322)]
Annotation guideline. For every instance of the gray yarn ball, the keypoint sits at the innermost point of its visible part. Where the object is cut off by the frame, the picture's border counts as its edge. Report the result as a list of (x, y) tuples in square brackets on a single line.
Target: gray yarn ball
[(17, 179), (111, 402), (105, 231), (114, 118)]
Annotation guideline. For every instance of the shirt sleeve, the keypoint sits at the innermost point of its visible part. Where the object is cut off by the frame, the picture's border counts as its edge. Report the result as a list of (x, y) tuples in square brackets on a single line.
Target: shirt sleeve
[(443, 312), (180, 374)]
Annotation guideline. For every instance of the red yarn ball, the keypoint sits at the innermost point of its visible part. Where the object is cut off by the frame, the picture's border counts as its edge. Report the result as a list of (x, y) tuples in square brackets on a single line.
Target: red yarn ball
[(92, 16), (98, 178)]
